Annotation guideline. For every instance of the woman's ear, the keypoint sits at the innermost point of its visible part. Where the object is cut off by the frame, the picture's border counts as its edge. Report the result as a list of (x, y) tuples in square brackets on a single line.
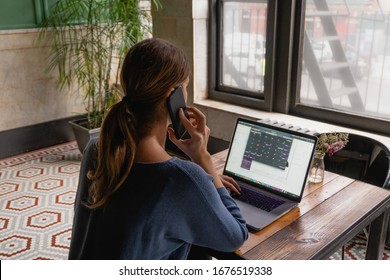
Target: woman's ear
[(169, 92)]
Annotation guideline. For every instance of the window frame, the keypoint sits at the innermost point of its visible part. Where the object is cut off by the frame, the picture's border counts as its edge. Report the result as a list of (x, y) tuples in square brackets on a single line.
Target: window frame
[(283, 94), (233, 95)]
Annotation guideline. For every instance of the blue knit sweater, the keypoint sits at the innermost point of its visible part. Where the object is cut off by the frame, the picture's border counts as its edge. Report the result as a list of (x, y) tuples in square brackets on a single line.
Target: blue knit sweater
[(161, 209)]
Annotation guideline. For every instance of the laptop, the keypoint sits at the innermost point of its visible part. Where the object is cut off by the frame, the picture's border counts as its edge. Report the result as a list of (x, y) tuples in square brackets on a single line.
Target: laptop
[(271, 165)]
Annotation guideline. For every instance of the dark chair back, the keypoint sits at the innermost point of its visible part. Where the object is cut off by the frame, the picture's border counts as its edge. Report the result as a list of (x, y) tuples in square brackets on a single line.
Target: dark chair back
[(363, 158)]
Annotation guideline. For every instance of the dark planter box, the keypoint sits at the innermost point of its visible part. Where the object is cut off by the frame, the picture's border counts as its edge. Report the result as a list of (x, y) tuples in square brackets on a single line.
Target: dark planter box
[(83, 134)]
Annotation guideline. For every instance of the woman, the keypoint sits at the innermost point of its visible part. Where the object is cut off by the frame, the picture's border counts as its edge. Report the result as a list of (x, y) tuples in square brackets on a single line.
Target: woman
[(134, 200)]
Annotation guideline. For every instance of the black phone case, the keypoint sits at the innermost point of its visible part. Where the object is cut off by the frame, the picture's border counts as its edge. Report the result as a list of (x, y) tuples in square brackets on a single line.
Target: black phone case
[(175, 102)]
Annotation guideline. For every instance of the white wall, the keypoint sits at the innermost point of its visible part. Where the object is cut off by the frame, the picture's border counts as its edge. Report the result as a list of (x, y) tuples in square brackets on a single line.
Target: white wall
[(28, 94)]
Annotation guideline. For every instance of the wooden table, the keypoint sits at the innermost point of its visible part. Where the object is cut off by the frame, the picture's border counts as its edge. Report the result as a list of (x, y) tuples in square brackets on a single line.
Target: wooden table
[(329, 215)]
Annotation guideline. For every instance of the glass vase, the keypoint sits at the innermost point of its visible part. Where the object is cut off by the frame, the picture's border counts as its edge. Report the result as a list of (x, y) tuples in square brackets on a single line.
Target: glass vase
[(316, 174)]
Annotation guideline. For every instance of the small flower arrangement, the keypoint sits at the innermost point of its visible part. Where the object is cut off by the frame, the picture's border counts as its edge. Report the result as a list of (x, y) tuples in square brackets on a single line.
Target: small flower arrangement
[(330, 143)]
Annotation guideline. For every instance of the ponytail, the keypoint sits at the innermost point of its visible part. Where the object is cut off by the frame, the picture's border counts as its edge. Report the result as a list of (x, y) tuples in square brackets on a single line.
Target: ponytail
[(116, 152)]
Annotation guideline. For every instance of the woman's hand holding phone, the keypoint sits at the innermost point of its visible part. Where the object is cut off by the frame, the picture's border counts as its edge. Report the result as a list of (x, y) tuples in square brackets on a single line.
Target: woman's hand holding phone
[(195, 124), (196, 146)]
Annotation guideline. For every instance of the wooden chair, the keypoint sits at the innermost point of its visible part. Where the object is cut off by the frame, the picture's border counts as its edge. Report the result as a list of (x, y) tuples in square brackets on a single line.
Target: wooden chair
[(365, 159)]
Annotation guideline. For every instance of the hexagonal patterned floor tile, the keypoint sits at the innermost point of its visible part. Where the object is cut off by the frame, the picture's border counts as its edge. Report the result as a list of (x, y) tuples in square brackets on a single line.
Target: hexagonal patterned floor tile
[(44, 219), (22, 203), (13, 245)]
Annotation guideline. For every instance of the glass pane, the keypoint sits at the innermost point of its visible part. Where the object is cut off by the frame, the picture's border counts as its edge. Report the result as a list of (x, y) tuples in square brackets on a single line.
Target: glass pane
[(243, 55), (346, 60), (18, 14)]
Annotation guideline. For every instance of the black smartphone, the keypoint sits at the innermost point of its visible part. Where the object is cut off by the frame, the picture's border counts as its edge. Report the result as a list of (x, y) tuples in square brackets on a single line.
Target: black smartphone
[(175, 102)]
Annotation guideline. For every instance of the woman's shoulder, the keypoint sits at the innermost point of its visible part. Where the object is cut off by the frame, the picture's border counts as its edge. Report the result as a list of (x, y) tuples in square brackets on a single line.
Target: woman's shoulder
[(185, 165), (91, 146), (190, 170)]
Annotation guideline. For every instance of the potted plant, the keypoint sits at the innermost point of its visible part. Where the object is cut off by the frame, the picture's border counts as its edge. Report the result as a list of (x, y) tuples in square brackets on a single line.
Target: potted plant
[(89, 39)]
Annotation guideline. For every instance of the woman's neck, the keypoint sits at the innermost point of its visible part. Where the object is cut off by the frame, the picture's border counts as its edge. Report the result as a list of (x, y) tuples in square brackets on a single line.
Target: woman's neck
[(151, 148)]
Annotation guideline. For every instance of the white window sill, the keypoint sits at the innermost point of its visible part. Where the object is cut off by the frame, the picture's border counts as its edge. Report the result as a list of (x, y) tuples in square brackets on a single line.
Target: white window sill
[(217, 113)]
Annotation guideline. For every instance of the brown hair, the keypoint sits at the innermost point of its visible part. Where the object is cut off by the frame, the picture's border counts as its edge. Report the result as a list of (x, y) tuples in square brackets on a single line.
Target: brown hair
[(150, 69)]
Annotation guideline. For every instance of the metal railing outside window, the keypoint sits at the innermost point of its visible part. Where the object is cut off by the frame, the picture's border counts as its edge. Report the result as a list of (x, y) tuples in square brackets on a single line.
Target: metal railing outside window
[(363, 33)]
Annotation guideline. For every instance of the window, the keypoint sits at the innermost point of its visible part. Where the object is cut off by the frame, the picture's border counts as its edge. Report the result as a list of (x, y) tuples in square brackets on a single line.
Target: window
[(241, 46), (346, 62), (328, 61), (23, 13)]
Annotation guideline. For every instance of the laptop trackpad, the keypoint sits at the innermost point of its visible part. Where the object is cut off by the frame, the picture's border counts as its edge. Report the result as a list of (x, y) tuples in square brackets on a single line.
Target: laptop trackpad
[(256, 218)]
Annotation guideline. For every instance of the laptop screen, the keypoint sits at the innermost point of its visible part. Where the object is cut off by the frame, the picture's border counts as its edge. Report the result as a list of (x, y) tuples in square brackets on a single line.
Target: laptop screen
[(270, 157)]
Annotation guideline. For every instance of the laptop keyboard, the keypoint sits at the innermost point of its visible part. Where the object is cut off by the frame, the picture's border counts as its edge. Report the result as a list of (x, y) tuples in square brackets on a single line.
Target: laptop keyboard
[(258, 200)]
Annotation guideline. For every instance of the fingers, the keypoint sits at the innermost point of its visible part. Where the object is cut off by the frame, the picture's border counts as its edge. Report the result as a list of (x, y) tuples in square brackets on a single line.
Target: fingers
[(198, 116), (186, 122), (230, 183), (172, 137), (196, 120), (196, 146)]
